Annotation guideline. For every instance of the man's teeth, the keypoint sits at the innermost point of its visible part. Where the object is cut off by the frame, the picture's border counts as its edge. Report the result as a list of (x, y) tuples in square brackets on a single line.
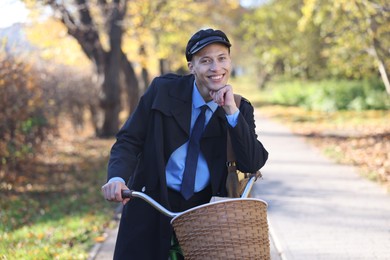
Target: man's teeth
[(216, 77)]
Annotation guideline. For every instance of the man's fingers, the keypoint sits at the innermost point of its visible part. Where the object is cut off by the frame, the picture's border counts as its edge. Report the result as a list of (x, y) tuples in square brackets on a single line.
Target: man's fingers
[(107, 191), (112, 191), (104, 191), (223, 96), (218, 97), (118, 192)]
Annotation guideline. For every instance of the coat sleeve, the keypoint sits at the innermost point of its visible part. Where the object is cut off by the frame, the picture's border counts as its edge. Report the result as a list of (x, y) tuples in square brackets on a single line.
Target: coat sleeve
[(130, 139), (249, 151)]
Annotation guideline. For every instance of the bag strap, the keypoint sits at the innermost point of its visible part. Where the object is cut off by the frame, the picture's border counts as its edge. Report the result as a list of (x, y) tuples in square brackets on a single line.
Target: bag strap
[(231, 158)]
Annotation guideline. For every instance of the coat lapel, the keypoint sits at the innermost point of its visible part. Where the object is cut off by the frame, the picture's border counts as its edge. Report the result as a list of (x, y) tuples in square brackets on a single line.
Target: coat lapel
[(213, 128), (181, 111)]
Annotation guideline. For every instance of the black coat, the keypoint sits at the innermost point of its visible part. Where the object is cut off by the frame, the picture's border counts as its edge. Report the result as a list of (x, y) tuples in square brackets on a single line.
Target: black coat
[(159, 125)]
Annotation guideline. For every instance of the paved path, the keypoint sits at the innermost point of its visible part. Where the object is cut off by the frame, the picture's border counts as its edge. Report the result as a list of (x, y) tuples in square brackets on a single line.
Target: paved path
[(105, 251), (317, 209)]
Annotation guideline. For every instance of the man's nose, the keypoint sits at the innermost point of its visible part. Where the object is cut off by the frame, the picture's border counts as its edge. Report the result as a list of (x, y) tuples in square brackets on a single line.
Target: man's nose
[(214, 66)]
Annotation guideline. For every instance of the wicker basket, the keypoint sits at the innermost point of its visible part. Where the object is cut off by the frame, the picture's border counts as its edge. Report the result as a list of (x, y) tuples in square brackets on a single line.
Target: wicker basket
[(229, 229)]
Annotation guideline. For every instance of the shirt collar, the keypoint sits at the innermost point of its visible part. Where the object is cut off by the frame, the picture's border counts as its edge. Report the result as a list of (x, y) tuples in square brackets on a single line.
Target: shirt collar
[(198, 101)]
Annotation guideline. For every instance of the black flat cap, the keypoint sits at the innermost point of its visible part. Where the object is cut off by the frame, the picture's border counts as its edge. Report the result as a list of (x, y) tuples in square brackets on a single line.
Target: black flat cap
[(203, 38)]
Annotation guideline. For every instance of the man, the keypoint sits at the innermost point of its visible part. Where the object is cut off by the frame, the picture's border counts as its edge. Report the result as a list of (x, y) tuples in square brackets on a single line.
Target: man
[(154, 151)]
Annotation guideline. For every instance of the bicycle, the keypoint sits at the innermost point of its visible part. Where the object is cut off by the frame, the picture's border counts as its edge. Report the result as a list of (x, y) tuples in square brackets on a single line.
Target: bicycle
[(228, 228)]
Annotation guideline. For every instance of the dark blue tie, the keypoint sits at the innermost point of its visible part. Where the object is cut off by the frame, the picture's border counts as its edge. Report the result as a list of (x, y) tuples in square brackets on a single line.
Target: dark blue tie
[(188, 183)]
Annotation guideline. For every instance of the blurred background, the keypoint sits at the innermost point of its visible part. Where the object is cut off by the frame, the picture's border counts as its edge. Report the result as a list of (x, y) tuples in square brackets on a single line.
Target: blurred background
[(71, 72)]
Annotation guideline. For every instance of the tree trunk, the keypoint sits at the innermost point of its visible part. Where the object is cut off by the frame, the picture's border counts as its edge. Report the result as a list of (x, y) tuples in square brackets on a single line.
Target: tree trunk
[(111, 86), (110, 101), (385, 75), (108, 64), (145, 78), (380, 52), (264, 77), (144, 70), (163, 66), (132, 84), (382, 66)]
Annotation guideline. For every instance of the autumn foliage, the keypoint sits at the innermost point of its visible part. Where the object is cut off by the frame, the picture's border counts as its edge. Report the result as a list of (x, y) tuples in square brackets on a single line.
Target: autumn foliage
[(25, 112), (48, 170), (34, 97)]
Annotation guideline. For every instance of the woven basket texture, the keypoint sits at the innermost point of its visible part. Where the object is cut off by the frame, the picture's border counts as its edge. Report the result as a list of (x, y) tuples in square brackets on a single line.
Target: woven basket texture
[(230, 229)]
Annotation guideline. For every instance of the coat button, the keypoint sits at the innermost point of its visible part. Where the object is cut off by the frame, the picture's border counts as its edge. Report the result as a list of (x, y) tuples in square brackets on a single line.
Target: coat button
[(143, 189)]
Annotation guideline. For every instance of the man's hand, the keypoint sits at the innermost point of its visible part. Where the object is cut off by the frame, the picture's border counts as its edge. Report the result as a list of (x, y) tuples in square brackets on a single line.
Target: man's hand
[(224, 97), (112, 191)]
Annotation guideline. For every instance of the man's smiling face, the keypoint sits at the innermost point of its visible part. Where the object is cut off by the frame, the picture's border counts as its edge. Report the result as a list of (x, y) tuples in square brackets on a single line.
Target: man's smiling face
[(211, 67)]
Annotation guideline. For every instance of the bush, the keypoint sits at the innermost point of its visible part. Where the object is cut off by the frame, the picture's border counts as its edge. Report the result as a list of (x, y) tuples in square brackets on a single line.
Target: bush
[(332, 95), (290, 94), (33, 96), (24, 120)]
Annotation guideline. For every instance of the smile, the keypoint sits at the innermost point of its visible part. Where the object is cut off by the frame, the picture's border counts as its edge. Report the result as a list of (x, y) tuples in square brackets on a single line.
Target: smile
[(218, 77)]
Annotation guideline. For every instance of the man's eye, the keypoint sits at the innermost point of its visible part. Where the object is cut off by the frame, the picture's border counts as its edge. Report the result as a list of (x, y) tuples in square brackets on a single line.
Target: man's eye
[(206, 61)]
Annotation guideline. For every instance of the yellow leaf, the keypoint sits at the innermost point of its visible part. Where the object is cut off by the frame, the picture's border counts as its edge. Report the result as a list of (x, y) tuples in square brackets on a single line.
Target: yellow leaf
[(100, 239)]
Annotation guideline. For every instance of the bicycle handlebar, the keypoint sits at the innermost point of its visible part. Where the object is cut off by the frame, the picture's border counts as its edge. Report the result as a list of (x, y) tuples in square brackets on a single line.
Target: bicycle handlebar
[(160, 208), (150, 200), (249, 186)]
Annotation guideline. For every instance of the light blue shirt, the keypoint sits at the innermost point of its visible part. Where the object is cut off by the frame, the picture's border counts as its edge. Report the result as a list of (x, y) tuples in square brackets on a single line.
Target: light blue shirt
[(176, 163)]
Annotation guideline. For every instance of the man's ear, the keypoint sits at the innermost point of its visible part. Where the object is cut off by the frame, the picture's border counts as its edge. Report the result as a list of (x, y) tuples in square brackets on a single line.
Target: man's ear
[(190, 66)]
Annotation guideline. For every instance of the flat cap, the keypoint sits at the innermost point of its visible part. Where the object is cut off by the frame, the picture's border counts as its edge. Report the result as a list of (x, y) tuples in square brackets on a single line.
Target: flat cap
[(203, 38)]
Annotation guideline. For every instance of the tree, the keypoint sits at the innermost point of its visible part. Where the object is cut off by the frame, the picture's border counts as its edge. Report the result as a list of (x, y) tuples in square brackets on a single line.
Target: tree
[(271, 31), (357, 28), (110, 63), (316, 39), (150, 29)]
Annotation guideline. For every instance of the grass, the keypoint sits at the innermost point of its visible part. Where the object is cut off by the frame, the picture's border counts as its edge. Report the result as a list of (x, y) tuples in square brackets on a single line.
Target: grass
[(55, 210), (68, 237)]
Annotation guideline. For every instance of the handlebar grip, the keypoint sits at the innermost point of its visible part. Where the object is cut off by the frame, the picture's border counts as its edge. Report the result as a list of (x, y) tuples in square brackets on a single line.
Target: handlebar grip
[(126, 194)]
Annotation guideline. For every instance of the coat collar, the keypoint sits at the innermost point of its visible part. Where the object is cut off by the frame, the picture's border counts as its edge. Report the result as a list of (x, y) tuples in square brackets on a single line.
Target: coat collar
[(181, 110), (183, 90), (179, 105)]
